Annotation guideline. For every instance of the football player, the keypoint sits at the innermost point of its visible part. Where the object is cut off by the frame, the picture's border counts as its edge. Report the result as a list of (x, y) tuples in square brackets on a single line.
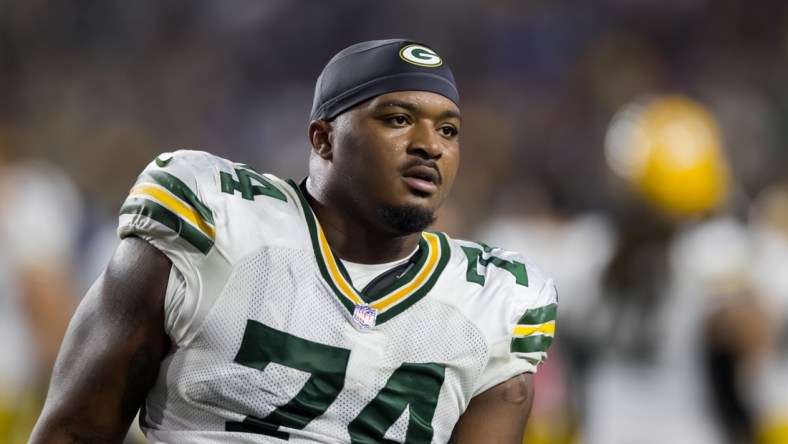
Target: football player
[(240, 307)]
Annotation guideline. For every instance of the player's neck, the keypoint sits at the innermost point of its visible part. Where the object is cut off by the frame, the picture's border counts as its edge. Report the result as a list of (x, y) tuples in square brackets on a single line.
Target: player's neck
[(354, 241), (362, 248)]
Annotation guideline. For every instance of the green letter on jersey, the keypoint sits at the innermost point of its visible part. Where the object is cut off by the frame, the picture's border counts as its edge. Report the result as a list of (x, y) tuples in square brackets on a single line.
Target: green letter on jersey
[(326, 365), (474, 255), (244, 184), (413, 386)]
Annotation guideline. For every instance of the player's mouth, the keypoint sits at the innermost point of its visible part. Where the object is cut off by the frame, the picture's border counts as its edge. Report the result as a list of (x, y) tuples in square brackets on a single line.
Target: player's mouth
[(422, 178)]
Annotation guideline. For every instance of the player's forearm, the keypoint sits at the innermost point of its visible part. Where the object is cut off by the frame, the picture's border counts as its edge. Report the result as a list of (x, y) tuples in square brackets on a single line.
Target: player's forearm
[(63, 428), (111, 353), (87, 402), (97, 386)]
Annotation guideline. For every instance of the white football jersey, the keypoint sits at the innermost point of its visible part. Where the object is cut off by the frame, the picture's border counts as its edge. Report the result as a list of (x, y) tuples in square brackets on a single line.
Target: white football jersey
[(272, 341)]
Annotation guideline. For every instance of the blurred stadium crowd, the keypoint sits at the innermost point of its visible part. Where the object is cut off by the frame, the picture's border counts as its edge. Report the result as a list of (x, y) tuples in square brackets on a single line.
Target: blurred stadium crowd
[(636, 149)]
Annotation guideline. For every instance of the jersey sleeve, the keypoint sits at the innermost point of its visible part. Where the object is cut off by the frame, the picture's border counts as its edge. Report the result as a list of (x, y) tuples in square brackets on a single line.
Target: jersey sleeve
[(535, 329), (529, 328), (167, 207)]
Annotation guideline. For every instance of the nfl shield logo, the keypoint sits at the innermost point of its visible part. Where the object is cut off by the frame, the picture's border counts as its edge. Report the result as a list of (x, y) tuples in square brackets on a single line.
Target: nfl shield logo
[(365, 316)]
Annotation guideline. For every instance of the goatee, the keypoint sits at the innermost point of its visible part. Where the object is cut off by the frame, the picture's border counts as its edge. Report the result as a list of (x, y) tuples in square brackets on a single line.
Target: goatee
[(407, 219)]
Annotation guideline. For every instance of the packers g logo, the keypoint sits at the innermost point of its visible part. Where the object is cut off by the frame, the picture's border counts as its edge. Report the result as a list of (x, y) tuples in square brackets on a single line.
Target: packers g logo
[(421, 56)]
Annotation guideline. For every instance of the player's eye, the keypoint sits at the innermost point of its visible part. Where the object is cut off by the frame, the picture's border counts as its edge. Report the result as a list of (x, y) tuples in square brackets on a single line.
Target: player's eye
[(398, 120), (448, 131)]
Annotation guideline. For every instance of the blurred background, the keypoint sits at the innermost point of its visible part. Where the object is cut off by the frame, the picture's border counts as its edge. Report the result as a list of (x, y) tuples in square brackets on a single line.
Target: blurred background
[(636, 150)]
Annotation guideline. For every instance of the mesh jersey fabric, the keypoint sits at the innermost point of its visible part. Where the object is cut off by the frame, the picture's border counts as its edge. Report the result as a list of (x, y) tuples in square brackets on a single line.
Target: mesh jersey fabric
[(265, 340)]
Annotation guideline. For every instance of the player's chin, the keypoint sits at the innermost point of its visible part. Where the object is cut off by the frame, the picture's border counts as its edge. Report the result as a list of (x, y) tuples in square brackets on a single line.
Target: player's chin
[(425, 204), (407, 218)]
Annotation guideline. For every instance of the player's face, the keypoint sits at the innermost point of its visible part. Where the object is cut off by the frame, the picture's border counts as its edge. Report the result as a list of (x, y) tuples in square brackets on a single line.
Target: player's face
[(400, 151)]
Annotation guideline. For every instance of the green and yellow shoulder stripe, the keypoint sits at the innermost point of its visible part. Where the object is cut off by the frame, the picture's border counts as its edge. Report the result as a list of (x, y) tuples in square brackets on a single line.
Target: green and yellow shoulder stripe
[(165, 193), (535, 330)]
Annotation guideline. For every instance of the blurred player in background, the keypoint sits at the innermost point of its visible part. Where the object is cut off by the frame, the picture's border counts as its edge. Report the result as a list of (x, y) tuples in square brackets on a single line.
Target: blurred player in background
[(769, 225), (240, 307), (680, 318), (662, 327), (40, 211)]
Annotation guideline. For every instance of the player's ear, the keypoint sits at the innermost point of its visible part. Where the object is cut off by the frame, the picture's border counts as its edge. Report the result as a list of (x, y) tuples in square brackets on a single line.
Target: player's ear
[(320, 136)]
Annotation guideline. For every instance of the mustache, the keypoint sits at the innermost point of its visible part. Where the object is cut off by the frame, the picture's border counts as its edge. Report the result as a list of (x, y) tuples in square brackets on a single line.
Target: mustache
[(424, 163)]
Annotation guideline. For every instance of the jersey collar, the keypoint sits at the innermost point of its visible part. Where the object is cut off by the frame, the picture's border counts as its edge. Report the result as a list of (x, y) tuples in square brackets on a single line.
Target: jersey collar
[(392, 299)]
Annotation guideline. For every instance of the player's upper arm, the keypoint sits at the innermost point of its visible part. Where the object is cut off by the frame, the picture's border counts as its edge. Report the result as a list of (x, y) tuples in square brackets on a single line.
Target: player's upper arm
[(112, 350), (498, 415)]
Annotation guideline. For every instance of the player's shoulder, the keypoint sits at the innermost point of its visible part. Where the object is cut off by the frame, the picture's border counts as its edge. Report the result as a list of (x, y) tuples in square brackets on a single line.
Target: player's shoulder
[(497, 277), (191, 165), (497, 265), (193, 195), (508, 297), (206, 173)]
